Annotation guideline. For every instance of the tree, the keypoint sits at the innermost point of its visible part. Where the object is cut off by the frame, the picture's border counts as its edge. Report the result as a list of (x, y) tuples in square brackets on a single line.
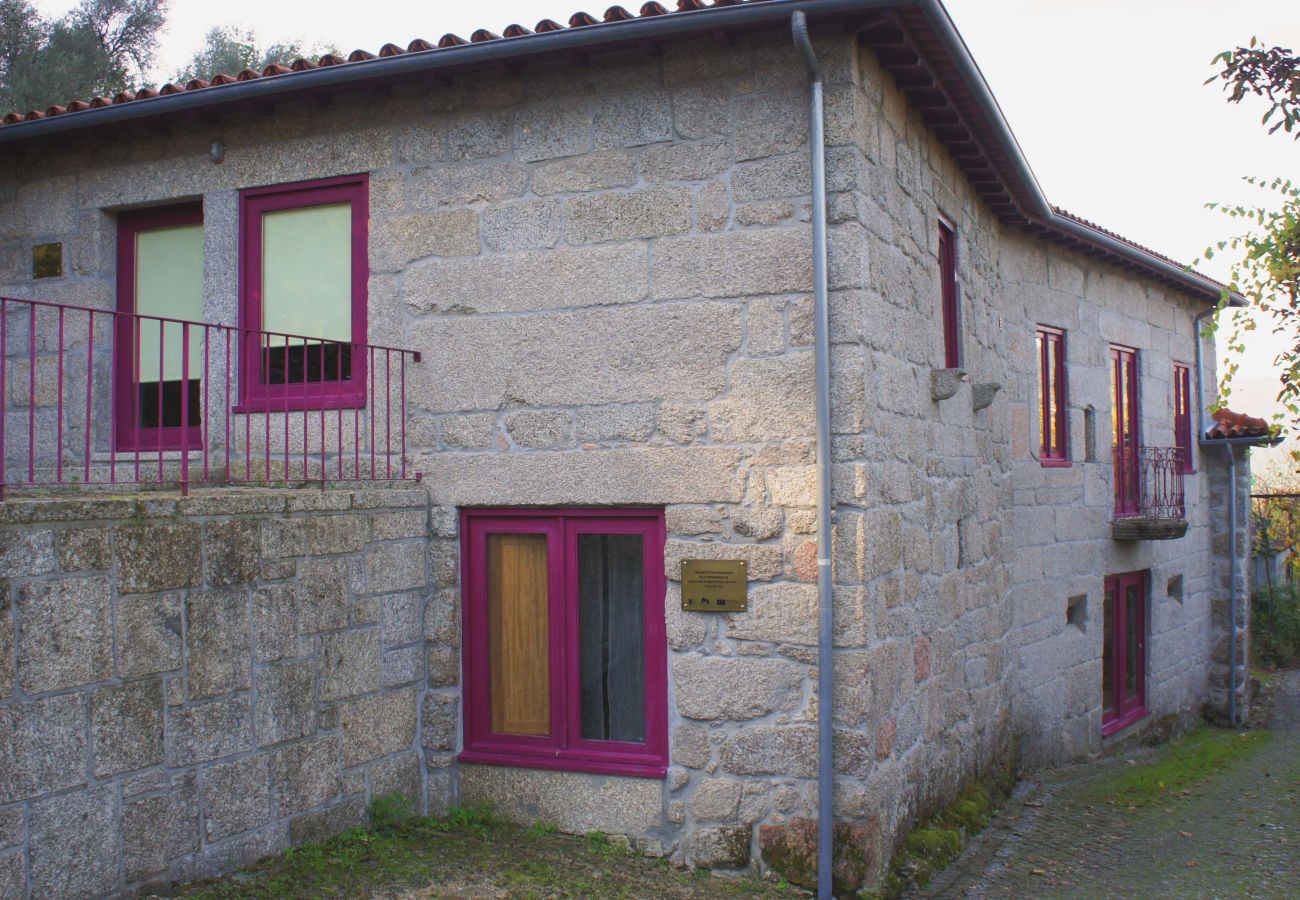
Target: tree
[(99, 48), (230, 49), (1266, 269)]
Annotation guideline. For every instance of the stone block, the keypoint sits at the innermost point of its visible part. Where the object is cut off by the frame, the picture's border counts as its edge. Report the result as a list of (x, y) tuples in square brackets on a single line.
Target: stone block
[(8, 661), (216, 639), (148, 634), (378, 725), (592, 172), (13, 875), (327, 535), (633, 422), (790, 848), (232, 551), (771, 179), (26, 552), (441, 723), (624, 354), (158, 557), (735, 688), (126, 723), (716, 800), (236, 797), (350, 664), (67, 634), (702, 110), (733, 264), (390, 526), (444, 667), (630, 120), (617, 476), (545, 131), (540, 429), (157, 830), (325, 823), (720, 847), (208, 730), (790, 751), (399, 240), (690, 745), (782, 612), (286, 702), (84, 549), (695, 161), (397, 775), (522, 224), (467, 182), (392, 567), (307, 774), (75, 843), (401, 666), (754, 135), (13, 831), (528, 280), (323, 591), (768, 400), (574, 802), (478, 135), (622, 216), (275, 622), (43, 746), (763, 561)]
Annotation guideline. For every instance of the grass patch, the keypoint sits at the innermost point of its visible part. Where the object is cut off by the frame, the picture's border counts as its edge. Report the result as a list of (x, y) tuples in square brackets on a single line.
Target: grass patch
[(1178, 768), (931, 847)]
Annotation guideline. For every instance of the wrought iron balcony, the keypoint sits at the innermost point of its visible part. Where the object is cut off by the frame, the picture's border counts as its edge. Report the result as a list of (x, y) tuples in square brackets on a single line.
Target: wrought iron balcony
[(103, 397), (1150, 501)]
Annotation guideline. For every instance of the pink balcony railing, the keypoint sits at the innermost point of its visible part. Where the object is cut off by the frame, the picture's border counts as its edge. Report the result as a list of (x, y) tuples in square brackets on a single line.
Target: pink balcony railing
[(1149, 483), (101, 397)]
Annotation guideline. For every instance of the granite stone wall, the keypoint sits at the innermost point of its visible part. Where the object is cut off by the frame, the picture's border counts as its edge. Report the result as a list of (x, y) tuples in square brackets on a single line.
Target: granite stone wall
[(189, 684)]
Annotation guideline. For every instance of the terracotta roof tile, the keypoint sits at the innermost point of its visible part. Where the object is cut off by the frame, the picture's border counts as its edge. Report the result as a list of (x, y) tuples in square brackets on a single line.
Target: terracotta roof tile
[(419, 45), (390, 50), (653, 9), (618, 14), (1229, 424), (516, 31), (360, 56), (582, 20), (548, 25)]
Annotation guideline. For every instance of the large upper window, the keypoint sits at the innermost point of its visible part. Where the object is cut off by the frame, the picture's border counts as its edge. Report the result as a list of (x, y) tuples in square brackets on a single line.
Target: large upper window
[(950, 298), (1124, 429), (565, 653), (303, 271), (1053, 434), (1183, 416), (158, 359)]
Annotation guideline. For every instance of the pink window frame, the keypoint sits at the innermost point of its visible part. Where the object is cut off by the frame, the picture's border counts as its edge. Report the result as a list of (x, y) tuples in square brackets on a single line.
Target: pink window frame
[(1126, 410), (1183, 415), (254, 395), (563, 749), (129, 435), (1053, 378), (1124, 710), (950, 294)]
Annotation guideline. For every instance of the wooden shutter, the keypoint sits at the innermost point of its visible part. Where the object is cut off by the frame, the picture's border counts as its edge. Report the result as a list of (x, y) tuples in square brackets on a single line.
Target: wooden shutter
[(518, 642)]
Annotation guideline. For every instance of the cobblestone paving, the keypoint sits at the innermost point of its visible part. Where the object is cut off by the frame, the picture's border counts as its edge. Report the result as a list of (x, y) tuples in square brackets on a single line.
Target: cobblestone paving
[(1236, 836)]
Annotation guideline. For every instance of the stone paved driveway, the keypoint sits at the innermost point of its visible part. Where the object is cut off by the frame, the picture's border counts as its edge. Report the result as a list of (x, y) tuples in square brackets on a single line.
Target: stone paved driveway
[(1237, 836)]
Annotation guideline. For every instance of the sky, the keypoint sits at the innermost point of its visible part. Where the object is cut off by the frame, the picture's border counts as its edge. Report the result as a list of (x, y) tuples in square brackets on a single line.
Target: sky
[(1106, 98)]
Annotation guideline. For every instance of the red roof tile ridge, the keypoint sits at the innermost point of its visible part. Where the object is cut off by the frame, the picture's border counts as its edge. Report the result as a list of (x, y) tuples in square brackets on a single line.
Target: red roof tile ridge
[(1066, 214), (1229, 424), (612, 15)]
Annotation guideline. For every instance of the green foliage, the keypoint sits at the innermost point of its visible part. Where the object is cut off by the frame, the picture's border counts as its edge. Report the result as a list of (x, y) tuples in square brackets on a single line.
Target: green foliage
[(99, 48), (388, 811), (1178, 768), (231, 49), (478, 820), (540, 829), (1272, 73), (1275, 626)]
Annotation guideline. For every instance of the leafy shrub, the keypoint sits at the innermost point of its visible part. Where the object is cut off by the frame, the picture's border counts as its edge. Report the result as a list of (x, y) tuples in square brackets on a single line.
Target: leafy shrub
[(1275, 626)]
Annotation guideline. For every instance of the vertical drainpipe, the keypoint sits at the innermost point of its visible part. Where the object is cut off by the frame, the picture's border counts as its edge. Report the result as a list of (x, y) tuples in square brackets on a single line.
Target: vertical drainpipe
[(821, 319)]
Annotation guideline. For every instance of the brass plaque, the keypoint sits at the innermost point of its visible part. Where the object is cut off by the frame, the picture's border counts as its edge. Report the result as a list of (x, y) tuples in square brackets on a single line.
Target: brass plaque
[(715, 585)]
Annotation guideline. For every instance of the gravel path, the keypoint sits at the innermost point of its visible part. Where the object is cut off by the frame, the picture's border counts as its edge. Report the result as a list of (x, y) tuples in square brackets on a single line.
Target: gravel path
[(1238, 835)]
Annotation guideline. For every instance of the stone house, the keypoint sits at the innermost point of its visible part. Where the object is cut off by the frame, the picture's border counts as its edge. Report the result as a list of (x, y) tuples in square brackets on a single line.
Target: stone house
[(541, 313)]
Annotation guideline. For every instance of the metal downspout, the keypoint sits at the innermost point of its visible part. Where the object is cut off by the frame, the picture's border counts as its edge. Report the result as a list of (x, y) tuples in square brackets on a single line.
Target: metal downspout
[(821, 319), (1232, 592), (1200, 370)]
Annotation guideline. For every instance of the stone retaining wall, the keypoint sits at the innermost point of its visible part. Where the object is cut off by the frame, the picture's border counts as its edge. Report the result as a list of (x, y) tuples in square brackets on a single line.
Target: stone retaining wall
[(187, 685)]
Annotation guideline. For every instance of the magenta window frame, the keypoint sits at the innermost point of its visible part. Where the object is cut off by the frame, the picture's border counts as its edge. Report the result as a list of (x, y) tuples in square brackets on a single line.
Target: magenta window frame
[(1053, 382), (1126, 429), (951, 295), (129, 435), (1183, 415), (254, 394), (1125, 709), (563, 749)]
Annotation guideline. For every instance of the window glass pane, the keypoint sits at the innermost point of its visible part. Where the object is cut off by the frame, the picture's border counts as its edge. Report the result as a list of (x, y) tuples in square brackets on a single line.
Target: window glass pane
[(1054, 366), (307, 272), (1132, 639), (1108, 652), (1043, 389), (612, 636), (169, 282), (518, 636)]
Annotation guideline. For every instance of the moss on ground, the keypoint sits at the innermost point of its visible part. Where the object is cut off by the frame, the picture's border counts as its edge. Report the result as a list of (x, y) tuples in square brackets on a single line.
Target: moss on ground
[(1178, 768), (468, 852), (931, 847)]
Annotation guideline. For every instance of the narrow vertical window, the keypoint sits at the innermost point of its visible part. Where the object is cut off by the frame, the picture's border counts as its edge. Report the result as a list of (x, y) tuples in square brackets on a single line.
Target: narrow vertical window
[(303, 272), (952, 355), (1124, 430), (1183, 416), (1053, 416), (565, 652), (157, 378)]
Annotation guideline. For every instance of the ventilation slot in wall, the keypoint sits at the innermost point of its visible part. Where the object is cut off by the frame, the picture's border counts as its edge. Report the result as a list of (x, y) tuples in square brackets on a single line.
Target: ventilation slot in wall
[(1175, 588), (1076, 612)]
